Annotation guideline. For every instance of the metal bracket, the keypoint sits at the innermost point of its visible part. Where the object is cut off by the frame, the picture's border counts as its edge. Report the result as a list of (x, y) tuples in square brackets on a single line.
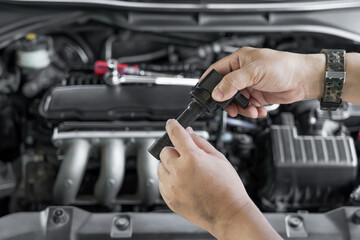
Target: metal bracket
[(121, 227), (295, 227)]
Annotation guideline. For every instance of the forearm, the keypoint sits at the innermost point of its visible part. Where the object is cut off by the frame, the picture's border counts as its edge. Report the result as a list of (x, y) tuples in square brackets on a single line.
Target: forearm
[(351, 90), (315, 77), (246, 222)]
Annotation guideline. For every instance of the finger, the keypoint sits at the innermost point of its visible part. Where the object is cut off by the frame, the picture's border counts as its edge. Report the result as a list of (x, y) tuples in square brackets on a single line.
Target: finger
[(250, 111), (168, 156), (232, 110), (200, 142), (253, 112), (232, 83), (261, 112), (229, 63), (254, 102), (190, 130), (257, 98), (179, 137), (246, 93), (163, 173), (205, 145)]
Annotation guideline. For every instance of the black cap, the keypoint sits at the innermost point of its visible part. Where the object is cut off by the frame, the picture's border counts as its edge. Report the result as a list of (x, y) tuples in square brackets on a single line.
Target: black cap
[(33, 42), (157, 146)]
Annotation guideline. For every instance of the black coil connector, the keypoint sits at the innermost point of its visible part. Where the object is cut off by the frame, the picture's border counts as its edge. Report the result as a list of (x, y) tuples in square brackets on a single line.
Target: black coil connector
[(201, 103)]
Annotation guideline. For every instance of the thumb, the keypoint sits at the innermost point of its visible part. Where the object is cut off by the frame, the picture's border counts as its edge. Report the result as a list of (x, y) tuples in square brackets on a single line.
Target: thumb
[(232, 83), (179, 137)]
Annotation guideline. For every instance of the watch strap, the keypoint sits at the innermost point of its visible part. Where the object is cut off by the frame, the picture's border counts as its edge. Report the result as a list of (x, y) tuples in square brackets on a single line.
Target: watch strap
[(334, 79)]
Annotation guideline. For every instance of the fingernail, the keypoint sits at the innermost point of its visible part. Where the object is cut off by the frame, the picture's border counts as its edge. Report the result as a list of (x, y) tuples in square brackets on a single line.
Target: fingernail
[(218, 94), (190, 130), (168, 122)]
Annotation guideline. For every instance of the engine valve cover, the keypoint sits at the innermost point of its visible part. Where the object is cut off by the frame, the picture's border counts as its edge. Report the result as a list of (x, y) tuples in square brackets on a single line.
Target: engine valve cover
[(101, 102)]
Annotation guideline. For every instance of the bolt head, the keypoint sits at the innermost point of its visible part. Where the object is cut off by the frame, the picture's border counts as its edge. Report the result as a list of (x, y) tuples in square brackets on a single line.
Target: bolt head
[(59, 212), (122, 223), (112, 64), (295, 221), (59, 216), (312, 120)]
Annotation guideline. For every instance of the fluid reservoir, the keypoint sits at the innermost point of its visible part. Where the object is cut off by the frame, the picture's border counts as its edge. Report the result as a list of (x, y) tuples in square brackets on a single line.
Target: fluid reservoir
[(34, 51)]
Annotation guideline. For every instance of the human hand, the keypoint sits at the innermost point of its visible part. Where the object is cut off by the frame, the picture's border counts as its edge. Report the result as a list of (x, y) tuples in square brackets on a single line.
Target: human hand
[(198, 182), (268, 76)]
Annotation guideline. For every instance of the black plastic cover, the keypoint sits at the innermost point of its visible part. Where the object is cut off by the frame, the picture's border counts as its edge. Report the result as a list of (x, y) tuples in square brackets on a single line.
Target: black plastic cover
[(312, 160), (101, 102)]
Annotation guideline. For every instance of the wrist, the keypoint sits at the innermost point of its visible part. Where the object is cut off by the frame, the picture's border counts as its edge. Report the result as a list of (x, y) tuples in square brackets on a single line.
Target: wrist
[(351, 86), (229, 217), (246, 221), (314, 75)]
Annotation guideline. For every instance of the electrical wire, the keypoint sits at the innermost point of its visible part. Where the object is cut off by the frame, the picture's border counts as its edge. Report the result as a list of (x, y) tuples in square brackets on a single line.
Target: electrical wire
[(108, 46), (144, 57), (84, 48)]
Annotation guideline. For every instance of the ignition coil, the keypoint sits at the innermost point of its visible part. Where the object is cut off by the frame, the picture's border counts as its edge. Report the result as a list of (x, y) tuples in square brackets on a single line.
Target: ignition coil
[(201, 103)]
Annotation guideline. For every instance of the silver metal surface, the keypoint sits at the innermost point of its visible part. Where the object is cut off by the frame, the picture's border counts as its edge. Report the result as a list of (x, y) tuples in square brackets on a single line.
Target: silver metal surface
[(108, 46), (335, 224), (112, 77), (148, 190), (271, 107), (163, 6), (112, 171), (121, 227), (71, 171), (159, 80), (295, 227), (345, 111), (332, 74), (229, 49), (284, 139), (58, 136)]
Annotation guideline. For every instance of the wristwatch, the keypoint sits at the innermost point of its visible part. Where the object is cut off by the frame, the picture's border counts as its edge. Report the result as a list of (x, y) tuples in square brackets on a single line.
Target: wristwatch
[(334, 79)]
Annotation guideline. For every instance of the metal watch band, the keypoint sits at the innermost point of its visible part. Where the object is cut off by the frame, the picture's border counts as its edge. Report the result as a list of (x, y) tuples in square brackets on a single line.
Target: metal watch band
[(334, 79)]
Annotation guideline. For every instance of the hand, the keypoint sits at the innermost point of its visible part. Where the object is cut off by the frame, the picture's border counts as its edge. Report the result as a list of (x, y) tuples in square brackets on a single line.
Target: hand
[(198, 182), (267, 76)]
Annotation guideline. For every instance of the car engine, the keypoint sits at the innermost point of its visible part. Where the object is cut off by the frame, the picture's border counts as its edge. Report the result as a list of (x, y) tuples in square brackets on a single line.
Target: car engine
[(83, 97)]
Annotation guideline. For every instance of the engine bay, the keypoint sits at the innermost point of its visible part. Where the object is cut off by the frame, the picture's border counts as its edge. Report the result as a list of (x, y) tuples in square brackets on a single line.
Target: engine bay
[(82, 103)]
